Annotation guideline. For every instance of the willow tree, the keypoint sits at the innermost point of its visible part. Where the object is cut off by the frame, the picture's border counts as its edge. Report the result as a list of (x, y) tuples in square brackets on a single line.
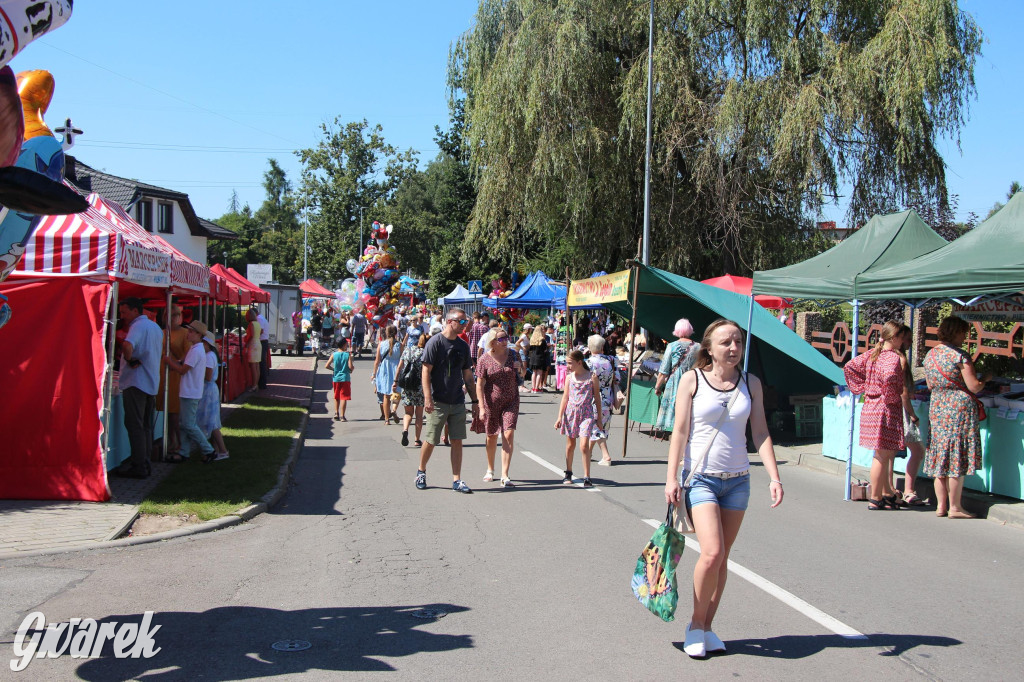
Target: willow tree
[(764, 110)]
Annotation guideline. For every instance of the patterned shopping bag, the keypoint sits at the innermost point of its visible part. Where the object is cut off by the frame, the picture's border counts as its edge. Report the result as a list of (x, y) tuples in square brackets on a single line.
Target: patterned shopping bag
[(654, 580)]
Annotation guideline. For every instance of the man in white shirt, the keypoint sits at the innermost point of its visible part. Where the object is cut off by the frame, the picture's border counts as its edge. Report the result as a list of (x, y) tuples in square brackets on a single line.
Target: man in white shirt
[(265, 343), (193, 371), (139, 380)]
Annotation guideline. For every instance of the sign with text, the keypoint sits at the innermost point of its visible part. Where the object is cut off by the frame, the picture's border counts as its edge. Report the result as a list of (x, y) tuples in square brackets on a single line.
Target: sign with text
[(599, 290), (1011, 310), (259, 273)]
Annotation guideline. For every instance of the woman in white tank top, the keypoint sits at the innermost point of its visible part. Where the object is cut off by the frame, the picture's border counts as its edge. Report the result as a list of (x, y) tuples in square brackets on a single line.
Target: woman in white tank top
[(719, 491)]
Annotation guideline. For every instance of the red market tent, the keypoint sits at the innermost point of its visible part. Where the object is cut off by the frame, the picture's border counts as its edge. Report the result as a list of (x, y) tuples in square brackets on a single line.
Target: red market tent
[(258, 295), (743, 285), (313, 289), (57, 345)]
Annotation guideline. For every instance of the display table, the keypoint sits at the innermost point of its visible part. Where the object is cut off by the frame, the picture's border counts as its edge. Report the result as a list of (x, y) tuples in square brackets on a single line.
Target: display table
[(1002, 447), (643, 402), (120, 448)]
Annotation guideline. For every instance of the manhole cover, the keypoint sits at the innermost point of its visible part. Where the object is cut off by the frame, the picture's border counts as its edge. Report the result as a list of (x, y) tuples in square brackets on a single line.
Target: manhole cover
[(291, 645), (429, 614)]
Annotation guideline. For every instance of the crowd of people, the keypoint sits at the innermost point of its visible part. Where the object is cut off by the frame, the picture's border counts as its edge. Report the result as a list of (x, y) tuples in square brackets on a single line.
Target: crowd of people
[(889, 424), (186, 373)]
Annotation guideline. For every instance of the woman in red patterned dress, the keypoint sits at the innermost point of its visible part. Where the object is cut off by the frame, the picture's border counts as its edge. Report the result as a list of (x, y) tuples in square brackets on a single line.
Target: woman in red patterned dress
[(879, 376), (496, 385)]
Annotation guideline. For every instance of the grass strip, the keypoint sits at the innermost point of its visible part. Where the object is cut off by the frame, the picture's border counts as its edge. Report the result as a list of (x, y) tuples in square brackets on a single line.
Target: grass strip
[(258, 435)]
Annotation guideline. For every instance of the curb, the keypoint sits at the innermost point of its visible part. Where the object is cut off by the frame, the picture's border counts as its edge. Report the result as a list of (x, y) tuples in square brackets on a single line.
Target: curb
[(1001, 510), (233, 519)]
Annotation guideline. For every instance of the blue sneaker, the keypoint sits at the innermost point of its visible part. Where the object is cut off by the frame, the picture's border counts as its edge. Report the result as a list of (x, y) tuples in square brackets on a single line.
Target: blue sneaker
[(421, 480), (460, 486)]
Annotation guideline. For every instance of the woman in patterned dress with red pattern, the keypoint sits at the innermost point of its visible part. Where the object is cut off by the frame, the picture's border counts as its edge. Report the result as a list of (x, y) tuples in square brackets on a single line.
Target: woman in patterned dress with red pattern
[(496, 372), (879, 376)]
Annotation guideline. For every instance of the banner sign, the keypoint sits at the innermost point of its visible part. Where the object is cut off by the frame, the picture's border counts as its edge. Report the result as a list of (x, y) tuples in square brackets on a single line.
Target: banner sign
[(993, 311), (259, 273), (599, 290), (142, 266)]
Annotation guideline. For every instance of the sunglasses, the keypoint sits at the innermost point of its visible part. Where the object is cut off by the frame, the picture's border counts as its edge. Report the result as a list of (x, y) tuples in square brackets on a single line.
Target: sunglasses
[(502, 339), (461, 322)]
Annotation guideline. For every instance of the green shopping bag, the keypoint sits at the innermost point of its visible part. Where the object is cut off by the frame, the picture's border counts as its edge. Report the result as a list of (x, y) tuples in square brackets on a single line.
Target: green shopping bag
[(654, 580)]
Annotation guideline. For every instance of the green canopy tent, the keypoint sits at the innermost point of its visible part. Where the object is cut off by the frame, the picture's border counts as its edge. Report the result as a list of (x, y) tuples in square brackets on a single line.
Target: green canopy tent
[(886, 241), (780, 357), (988, 260)]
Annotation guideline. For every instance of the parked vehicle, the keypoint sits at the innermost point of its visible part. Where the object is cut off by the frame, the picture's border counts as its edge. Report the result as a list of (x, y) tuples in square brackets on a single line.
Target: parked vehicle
[(285, 300)]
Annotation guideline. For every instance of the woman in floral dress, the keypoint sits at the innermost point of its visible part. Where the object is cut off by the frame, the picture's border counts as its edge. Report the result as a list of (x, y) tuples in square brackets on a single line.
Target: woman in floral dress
[(679, 357), (578, 413), (879, 375), (498, 391), (955, 447), (412, 397), (604, 367)]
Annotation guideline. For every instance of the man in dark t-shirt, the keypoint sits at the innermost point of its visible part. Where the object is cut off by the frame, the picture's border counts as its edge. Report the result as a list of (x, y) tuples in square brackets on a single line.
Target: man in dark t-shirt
[(447, 374)]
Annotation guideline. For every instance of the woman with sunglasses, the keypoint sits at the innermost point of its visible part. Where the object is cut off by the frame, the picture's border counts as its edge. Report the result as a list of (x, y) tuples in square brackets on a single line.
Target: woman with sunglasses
[(498, 391)]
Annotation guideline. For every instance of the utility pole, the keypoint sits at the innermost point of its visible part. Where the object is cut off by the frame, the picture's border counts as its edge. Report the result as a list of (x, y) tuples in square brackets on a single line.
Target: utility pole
[(305, 241), (646, 258), (360, 232)]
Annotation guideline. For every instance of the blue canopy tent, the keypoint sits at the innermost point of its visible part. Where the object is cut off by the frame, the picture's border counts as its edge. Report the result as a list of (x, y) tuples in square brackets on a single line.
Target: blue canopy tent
[(537, 291)]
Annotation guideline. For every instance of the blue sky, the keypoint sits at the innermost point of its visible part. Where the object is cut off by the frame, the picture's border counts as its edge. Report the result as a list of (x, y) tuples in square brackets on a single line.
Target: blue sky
[(194, 96)]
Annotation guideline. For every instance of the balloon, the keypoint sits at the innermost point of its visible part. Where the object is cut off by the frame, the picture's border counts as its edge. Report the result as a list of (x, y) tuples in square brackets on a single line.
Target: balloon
[(351, 264)]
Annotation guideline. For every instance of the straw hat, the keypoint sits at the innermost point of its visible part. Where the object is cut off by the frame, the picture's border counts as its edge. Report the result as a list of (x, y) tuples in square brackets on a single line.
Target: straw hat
[(203, 331)]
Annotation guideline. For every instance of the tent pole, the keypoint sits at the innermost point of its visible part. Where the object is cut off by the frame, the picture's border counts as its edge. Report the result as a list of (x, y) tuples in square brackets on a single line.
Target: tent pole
[(167, 374), (750, 321), (108, 380), (223, 348), (853, 403), (632, 347)]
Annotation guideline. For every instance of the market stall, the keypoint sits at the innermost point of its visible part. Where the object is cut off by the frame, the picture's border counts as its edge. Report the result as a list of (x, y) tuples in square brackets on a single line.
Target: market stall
[(837, 273), (655, 299), (58, 350), (537, 292), (459, 297)]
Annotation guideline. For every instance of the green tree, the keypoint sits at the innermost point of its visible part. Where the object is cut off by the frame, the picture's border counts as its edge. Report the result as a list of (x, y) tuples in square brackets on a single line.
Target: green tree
[(350, 167), (1014, 188), (763, 110)]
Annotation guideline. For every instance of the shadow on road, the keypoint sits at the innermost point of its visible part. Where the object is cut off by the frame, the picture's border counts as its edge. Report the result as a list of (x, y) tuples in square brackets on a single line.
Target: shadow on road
[(803, 646), (234, 643)]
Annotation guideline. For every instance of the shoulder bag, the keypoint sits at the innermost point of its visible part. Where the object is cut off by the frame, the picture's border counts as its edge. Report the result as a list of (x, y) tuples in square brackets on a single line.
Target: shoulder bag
[(982, 415), (683, 522)]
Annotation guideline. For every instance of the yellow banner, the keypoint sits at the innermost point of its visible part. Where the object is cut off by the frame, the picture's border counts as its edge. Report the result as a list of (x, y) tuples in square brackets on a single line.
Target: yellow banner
[(604, 289)]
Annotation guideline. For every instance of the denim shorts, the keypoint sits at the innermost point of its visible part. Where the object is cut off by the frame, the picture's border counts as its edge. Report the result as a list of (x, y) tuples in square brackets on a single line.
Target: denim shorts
[(730, 493)]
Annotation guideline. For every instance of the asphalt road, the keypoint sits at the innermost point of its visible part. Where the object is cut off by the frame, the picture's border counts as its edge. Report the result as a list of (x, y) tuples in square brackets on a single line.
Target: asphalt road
[(534, 581)]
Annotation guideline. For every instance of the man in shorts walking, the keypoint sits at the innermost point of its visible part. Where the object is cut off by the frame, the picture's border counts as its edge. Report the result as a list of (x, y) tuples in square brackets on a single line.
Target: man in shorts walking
[(447, 374)]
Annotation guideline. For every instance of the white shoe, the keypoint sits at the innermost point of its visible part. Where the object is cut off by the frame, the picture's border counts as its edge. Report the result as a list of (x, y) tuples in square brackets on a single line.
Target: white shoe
[(694, 644), (489, 476), (712, 642), (604, 463)]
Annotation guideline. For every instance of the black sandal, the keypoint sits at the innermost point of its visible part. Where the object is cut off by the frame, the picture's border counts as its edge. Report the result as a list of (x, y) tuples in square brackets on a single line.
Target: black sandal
[(892, 501), (174, 459), (876, 505)]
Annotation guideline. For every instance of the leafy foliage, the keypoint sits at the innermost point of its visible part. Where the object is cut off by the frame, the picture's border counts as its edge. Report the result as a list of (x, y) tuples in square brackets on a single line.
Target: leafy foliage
[(763, 110)]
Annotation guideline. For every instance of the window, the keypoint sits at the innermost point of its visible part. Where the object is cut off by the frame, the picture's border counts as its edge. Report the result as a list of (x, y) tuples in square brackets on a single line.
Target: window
[(144, 214), (165, 218)]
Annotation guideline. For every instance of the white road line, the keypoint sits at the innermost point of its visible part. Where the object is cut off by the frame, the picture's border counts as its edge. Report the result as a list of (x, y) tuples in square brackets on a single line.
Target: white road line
[(551, 467), (785, 596)]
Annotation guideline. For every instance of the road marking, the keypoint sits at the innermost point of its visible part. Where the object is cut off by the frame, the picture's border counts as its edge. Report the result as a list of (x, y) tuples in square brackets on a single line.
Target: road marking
[(551, 467), (786, 597)]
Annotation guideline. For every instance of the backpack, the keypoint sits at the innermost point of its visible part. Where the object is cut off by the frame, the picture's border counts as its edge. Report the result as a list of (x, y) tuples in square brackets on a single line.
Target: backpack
[(411, 379)]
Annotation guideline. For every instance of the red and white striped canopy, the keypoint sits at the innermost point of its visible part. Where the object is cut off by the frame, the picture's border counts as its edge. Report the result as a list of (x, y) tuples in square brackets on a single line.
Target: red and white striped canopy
[(104, 241)]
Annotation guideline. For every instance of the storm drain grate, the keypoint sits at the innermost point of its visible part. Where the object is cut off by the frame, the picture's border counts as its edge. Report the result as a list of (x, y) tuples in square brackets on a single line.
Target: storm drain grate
[(291, 645), (428, 614)]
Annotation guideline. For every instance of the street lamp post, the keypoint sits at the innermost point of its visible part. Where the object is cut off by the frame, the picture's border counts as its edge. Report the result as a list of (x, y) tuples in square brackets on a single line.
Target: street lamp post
[(361, 231), (305, 241), (647, 157)]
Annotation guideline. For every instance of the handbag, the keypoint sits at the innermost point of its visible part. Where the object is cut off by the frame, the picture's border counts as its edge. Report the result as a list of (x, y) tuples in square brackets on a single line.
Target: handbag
[(683, 522), (411, 379), (982, 415), (654, 578)]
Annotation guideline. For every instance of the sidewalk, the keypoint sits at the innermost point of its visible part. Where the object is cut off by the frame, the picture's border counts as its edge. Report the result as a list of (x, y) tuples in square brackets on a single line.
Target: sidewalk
[(995, 508), (30, 525)]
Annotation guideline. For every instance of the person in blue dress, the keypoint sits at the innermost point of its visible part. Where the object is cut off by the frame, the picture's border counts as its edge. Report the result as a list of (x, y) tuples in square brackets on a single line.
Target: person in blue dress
[(679, 357), (385, 368)]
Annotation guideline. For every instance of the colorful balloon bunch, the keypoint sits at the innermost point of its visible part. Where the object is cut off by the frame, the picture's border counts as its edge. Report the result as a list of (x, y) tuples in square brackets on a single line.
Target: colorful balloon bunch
[(377, 277), (501, 289)]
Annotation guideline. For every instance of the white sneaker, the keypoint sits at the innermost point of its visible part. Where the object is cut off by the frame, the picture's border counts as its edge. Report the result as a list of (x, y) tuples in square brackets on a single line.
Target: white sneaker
[(489, 476), (604, 463), (694, 644), (712, 642)]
